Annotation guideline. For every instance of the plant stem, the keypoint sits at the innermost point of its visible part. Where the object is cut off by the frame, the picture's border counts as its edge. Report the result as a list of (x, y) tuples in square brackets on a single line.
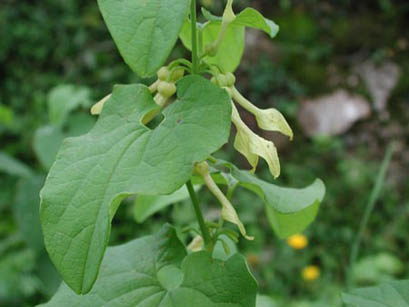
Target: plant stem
[(193, 19), (203, 228), (373, 198)]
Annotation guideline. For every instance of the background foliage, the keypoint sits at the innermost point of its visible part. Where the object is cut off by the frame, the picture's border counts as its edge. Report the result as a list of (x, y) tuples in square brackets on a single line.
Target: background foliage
[(57, 51)]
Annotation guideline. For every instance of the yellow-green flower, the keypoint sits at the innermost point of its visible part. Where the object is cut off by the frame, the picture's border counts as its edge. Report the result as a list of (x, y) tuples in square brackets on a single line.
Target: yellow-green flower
[(310, 273), (253, 146), (228, 212), (267, 119), (297, 241)]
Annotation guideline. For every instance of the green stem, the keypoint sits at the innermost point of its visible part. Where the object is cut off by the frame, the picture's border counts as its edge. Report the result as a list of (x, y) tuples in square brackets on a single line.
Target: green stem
[(193, 20), (205, 231), (373, 198)]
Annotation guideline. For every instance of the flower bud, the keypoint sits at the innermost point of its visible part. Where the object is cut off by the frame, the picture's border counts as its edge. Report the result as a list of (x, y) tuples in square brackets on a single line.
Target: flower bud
[(166, 89), (222, 80), (96, 109), (163, 73)]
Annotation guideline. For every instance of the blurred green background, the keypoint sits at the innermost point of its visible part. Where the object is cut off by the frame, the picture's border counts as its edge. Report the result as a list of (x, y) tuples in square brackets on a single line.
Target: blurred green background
[(57, 58)]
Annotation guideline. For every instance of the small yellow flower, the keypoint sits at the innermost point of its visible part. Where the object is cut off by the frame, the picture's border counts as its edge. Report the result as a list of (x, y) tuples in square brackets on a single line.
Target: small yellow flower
[(310, 273), (297, 241)]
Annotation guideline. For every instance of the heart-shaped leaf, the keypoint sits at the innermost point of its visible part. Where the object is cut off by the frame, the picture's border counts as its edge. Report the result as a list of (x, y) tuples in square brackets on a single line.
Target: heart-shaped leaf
[(119, 157), (149, 272), (289, 210), (145, 31)]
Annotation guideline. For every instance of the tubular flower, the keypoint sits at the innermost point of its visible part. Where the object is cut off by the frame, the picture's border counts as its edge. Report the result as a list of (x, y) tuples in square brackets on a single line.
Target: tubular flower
[(228, 212), (253, 146), (97, 108), (297, 241), (310, 273), (268, 119), (247, 142)]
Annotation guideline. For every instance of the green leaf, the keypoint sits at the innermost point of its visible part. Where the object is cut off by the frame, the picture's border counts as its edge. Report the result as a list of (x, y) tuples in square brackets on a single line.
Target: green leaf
[(12, 166), (144, 31), (63, 99), (250, 17), (47, 141), (231, 49), (289, 210), (149, 272), (147, 205), (120, 157), (391, 294), (26, 211)]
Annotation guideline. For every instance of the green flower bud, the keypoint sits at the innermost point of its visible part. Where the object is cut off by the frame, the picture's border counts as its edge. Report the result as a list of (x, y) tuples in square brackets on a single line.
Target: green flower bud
[(222, 80), (163, 73), (230, 79), (166, 89)]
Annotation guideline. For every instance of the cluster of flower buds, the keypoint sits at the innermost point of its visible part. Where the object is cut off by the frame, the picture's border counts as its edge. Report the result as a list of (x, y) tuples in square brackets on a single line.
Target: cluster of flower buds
[(164, 86), (249, 144)]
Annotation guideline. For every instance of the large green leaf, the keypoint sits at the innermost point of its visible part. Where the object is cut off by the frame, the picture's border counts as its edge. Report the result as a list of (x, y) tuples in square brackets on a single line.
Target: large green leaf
[(145, 31), (149, 272), (391, 294), (231, 49), (147, 205), (289, 210), (119, 157)]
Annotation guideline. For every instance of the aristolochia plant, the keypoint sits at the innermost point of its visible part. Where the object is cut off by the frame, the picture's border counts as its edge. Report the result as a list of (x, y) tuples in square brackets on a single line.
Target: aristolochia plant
[(124, 155)]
